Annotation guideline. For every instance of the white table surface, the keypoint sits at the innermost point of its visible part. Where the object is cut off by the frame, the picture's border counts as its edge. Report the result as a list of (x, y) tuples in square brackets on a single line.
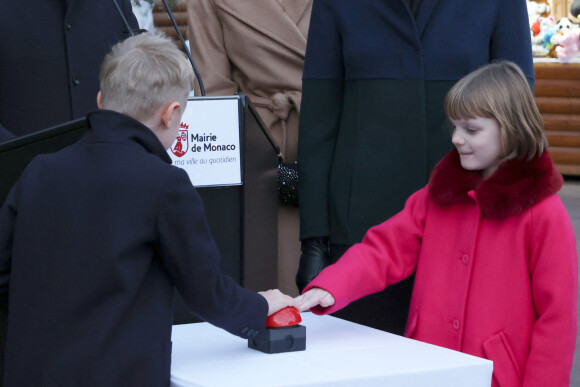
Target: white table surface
[(338, 353)]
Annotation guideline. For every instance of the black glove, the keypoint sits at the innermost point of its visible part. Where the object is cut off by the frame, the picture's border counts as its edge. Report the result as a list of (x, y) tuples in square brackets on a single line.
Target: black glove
[(314, 258)]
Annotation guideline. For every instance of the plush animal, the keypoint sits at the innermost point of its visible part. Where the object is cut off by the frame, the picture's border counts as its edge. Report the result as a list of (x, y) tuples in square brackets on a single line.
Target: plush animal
[(564, 24), (537, 9), (544, 24), (557, 38), (548, 37), (535, 28), (568, 44), (545, 27)]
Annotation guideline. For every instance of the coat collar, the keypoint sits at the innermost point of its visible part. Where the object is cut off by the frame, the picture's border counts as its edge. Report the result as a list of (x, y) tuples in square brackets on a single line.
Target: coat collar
[(289, 27), (107, 126), (516, 186)]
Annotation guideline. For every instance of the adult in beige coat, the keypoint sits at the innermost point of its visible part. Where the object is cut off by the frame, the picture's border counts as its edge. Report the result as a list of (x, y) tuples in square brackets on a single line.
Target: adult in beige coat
[(257, 48)]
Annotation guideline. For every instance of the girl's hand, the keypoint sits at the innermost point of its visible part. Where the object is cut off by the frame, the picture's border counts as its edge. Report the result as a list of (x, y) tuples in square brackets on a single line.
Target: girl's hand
[(314, 297)]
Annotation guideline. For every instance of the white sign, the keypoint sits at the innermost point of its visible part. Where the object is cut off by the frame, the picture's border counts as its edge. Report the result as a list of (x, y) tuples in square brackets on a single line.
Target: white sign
[(207, 146)]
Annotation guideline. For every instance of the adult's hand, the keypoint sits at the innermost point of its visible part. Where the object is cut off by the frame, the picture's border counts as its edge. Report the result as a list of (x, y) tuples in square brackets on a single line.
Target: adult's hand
[(314, 258)]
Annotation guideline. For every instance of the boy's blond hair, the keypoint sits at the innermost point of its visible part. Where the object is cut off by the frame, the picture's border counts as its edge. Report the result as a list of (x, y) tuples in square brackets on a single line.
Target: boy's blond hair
[(142, 74), (501, 91)]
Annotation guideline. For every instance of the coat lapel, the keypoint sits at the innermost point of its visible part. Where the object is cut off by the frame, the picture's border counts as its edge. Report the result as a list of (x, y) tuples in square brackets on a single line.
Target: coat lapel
[(425, 10), (270, 19), (299, 12)]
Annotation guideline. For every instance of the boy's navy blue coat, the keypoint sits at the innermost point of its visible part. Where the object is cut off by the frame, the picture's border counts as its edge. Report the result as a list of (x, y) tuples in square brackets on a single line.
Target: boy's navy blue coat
[(92, 241)]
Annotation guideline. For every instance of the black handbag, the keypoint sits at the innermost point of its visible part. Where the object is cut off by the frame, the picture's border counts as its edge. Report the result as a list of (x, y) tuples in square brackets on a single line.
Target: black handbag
[(288, 183)]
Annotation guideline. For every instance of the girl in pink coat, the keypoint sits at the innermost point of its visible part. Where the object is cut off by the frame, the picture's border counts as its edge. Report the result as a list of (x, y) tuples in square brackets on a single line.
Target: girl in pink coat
[(490, 240)]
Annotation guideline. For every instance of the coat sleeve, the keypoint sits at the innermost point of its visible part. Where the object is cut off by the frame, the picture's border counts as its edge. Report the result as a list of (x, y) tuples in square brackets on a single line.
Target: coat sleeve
[(553, 270), (206, 41), (191, 259), (320, 112), (511, 36), (387, 254)]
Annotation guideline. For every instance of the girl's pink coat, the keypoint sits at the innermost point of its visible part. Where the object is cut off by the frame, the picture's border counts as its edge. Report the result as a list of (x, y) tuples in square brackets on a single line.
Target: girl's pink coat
[(496, 262)]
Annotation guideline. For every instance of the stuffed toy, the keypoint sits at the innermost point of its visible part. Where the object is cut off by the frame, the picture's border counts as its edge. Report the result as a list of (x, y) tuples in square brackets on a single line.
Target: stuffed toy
[(564, 24), (540, 22), (537, 9), (548, 38), (545, 24), (568, 44), (542, 31), (557, 38)]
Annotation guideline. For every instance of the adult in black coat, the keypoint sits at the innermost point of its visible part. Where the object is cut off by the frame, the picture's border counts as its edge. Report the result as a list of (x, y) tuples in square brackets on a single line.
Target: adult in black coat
[(372, 124), (50, 55), (94, 238)]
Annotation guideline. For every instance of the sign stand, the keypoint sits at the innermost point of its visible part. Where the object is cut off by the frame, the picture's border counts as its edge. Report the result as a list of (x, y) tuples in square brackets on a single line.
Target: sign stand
[(233, 162)]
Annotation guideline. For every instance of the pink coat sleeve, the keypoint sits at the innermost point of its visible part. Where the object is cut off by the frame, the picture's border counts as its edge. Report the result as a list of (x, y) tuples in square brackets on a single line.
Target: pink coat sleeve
[(553, 270), (387, 254)]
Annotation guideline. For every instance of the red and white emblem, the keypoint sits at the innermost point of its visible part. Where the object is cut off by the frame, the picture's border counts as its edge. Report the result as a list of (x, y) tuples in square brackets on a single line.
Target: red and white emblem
[(181, 145)]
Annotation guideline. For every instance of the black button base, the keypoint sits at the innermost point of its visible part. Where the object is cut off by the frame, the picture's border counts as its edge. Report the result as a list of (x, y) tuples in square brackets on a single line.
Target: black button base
[(279, 340)]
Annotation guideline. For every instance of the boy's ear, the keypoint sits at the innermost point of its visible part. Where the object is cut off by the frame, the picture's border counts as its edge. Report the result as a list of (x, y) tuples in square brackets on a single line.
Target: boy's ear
[(169, 113), (99, 100)]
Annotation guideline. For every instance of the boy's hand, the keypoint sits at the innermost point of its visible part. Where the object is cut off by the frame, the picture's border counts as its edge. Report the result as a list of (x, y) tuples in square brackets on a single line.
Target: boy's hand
[(278, 300), (313, 297)]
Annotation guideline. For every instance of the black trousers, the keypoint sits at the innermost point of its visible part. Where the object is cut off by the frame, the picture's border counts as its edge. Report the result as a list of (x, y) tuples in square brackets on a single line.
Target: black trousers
[(386, 310)]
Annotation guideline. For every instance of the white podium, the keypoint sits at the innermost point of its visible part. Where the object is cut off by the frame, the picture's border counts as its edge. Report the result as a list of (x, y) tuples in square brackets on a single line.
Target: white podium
[(338, 353)]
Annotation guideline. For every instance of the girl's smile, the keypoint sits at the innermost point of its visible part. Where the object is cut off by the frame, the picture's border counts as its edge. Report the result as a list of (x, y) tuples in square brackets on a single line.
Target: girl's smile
[(478, 142)]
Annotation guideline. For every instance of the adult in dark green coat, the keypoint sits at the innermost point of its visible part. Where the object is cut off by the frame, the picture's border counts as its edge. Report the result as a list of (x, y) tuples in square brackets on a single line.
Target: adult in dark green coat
[(372, 124)]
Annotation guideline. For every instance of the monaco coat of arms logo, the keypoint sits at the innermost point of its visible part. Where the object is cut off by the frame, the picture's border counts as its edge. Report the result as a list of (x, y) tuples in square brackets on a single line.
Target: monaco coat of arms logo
[(181, 145)]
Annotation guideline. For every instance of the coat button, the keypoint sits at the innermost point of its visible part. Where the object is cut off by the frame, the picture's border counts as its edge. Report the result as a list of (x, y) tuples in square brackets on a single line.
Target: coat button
[(456, 324), (465, 259), (76, 81), (68, 26)]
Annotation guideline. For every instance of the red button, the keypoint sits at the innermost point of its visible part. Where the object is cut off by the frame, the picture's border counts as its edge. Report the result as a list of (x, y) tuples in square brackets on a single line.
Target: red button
[(456, 324), (284, 318), (465, 258)]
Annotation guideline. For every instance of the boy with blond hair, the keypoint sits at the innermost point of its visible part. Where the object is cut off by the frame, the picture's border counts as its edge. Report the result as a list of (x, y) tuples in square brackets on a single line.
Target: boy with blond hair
[(94, 238)]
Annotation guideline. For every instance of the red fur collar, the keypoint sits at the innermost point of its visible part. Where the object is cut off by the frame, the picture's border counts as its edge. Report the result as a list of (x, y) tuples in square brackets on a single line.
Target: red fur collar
[(516, 185)]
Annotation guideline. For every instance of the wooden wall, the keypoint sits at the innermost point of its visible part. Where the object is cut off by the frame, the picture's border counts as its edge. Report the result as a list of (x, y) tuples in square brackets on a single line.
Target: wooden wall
[(560, 8), (163, 23), (557, 93)]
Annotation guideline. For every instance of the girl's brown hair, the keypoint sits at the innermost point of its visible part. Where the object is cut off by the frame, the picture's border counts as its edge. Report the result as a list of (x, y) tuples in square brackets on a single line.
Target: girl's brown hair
[(501, 91)]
